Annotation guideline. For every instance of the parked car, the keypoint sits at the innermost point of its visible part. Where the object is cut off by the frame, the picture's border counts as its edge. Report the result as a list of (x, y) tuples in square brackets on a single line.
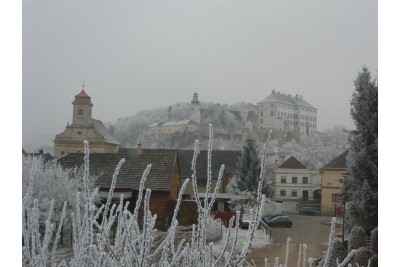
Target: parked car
[(270, 216), (308, 211), (280, 221), (245, 221)]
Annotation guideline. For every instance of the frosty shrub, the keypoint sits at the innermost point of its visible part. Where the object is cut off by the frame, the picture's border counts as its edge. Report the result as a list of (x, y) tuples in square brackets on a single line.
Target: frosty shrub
[(339, 252), (357, 238), (214, 232), (53, 183), (361, 257), (374, 240)]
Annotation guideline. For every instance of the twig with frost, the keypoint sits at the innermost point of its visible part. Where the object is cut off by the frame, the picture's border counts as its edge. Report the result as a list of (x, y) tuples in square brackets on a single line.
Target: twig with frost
[(304, 255), (331, 238), (288, 240)]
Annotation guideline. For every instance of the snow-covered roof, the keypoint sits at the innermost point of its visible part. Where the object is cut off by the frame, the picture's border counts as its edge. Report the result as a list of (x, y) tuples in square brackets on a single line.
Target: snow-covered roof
[(277, 97), (175, 123), (155, 124), (100, 129)]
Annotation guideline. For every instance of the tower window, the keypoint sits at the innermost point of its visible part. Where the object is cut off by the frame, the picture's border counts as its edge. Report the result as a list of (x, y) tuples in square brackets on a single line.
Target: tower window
[(80, 111)]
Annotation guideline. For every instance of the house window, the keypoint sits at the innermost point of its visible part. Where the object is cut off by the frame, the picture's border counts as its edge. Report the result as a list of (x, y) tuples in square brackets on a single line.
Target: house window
[(261, 120), (305, 180), (79, 133), (80, 111), (283, 179), (62, 152), (294, 193), (272, 105), (335, 197), (294, 180), (272, 113), (262, 113), (283, 192)]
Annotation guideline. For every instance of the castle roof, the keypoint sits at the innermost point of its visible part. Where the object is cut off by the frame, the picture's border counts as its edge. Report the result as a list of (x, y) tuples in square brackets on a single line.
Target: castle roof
[(277, 97), (82, 98), (172, 123)]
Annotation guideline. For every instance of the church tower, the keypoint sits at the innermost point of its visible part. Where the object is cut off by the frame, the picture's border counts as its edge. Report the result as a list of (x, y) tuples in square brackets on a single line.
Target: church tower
[(82, 110), (84, 127), (195, 109)]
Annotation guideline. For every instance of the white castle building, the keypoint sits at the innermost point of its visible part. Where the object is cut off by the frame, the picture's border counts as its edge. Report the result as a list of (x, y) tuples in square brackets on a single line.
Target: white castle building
[(287, 113)]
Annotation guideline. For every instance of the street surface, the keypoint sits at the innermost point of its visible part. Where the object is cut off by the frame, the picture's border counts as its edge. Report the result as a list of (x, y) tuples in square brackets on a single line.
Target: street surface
[(310, 230)]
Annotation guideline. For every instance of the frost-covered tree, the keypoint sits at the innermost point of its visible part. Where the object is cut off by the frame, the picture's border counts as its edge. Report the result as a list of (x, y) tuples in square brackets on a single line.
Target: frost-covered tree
[(52, 183), (248, 166), (249, 169), (362, 159)]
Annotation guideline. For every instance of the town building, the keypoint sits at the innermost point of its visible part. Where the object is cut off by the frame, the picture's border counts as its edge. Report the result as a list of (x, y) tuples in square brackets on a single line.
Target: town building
[(331, 175), (163, 179), (287, 114), (293, 181), (84, 127)]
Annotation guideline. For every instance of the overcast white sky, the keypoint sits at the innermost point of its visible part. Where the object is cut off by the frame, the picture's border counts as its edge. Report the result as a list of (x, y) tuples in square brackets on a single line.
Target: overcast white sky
[(136, 55)]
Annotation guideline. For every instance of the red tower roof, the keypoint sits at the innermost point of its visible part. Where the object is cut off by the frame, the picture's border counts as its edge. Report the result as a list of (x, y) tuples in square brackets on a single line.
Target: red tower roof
[(82, 98)]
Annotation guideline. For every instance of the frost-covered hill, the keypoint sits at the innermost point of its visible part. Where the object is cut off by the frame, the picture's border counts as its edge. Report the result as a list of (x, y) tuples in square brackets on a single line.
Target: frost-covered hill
[(314, 150)]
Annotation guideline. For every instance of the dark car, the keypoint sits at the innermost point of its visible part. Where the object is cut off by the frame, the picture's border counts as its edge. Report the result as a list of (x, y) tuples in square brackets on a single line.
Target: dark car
[(280, 221), (270, 216), (308, 211), (245, 221)]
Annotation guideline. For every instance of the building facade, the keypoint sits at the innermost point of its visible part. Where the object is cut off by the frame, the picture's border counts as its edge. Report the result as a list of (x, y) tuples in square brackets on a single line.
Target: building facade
[(84, 127), (287, 113), (331, 176), (293, 181)]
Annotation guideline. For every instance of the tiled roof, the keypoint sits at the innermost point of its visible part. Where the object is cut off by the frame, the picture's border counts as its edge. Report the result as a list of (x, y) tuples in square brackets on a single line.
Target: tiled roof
[(277, 97), (219, 157), (292, 163), (100, 129), (82, 98), (339, 162), (103, 165)]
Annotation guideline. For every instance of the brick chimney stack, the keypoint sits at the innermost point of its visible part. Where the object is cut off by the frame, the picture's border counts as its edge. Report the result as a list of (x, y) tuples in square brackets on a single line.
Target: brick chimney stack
[(139, 149)]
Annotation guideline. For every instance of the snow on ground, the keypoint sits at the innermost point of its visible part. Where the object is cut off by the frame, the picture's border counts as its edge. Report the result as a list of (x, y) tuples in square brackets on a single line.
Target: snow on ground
[(260, 240)]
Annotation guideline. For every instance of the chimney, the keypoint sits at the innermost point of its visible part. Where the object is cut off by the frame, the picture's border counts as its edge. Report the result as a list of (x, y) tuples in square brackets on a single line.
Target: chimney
[(139, 149)]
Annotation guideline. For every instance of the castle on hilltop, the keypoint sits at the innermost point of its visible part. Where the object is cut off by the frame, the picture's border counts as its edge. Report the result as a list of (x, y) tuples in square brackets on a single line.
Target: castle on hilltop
[(193, 125), (285, 115), (288, 114)]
